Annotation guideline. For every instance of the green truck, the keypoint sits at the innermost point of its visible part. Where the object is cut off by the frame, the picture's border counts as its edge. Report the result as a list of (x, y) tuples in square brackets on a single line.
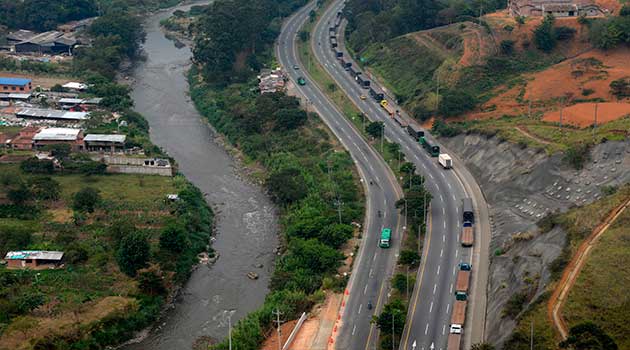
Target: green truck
[(301, 81), (434, 151)]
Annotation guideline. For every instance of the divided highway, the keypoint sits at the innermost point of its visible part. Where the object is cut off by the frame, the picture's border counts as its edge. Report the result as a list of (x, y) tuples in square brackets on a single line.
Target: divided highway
[(429, 315), (373, 267)]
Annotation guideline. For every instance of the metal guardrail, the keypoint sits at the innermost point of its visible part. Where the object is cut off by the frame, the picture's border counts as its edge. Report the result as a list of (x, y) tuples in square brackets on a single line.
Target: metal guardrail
[(296, 329)]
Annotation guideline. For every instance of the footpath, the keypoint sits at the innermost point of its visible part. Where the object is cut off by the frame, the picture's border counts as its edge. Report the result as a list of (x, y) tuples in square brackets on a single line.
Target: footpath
[(572, 271)]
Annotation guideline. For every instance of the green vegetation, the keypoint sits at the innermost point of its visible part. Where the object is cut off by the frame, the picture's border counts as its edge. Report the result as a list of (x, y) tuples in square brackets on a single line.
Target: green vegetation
[(44, 15), (598, 295), (610, 32), (119, 230), (391, 323)]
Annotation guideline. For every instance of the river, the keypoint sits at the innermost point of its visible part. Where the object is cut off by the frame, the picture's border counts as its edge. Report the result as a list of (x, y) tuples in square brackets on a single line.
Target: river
[(246, 221)]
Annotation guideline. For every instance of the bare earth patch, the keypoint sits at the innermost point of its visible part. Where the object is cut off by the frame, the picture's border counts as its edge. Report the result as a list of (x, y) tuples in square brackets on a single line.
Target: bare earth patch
[(583, 114)]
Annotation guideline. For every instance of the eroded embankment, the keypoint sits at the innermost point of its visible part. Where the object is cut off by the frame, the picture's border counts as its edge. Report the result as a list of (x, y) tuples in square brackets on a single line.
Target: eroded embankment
[(521, 187)]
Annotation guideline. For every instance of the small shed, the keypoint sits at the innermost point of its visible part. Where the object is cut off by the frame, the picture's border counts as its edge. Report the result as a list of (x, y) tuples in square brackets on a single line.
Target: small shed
[(34, 259)]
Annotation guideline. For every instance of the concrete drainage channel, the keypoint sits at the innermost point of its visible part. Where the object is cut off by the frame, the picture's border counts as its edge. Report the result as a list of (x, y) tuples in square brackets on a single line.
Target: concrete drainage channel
[(521, 187)]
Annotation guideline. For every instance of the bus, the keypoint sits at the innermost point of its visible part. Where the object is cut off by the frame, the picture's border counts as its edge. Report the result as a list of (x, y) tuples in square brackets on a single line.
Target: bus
[(386, 235)]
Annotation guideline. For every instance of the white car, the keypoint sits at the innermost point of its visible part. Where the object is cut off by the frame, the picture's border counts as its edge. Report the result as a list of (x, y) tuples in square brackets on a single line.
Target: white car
[(456, 329)]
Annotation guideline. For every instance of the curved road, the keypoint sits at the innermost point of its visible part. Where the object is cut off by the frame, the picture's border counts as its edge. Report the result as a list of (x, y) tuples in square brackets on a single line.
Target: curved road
[(373, 267), (431, 305)]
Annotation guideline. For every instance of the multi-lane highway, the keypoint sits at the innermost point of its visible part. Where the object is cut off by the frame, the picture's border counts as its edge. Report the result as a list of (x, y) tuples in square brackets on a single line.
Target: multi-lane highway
[(428, 320), (432, 300), (373, 267)]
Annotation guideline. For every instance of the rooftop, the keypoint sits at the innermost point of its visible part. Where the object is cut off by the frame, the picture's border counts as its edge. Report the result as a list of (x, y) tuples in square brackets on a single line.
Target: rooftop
[(74, 85), (105, 138), (14, 81), (50, 114), (34, 254), (57, 134)]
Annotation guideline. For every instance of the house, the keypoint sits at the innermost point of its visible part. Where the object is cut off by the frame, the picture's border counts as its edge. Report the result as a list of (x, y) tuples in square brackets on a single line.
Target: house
[(271, 80), (24, 139), (19, 36), (556, 8), (15, 85), (76, 26), (33, 259), (51, 114), (15, 97), (104, 143), (78, 103), (55, 136), (51, 42)]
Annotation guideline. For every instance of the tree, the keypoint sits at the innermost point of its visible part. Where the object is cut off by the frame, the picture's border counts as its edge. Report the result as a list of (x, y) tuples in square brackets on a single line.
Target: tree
[(625, 10), (507, 47), (588, 336), (564, 33), (606, 34), (151, 280), (304, 36), (409, 257), (312, 15), (374, 129), (133, 253), (45, 188), (394, 310), (86, 200), (407, 168), (60, 151), (620, 87), (336, 235), (544, 34), (290, 118), (174, 238), (287, 185), (36, 166), (20, 195)]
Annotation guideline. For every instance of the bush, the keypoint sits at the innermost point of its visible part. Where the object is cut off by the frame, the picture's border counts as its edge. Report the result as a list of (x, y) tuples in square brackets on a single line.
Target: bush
[(174, 238), (625, 10), (515, 305), (577, 155), (620, 87), (544, 34), (36, 166), (507, 47), (86, 200), (588, 335), (564, 33), (409, 257)]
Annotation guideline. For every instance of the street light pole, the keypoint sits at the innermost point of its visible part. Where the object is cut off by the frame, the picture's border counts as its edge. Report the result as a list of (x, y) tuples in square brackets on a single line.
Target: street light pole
[(382, 137)]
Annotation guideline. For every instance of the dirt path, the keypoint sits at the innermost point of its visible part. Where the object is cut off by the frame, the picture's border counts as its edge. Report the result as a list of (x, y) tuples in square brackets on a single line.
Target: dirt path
[(572, 271), (524, 131)]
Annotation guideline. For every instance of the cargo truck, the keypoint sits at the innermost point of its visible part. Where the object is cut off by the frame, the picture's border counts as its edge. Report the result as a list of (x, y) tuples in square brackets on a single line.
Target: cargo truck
[(333, 43), (459, 312), (445, 161), (415, 132), (468, 234), (467, 207), (453, 341), (461, 285), (377, 96), (434, 151)]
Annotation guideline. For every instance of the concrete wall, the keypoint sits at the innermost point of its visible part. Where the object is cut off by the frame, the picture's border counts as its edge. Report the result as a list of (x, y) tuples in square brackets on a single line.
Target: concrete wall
[(133, 169)]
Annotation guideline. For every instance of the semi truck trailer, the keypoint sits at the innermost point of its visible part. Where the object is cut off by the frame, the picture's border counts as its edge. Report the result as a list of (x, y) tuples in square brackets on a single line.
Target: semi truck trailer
[(468, 234), (461, 286), (454, 341), (445, 161)]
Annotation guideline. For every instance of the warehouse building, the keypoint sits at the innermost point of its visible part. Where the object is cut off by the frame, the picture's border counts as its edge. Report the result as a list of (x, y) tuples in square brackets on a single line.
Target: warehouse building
[(15, 85), (51, 114)]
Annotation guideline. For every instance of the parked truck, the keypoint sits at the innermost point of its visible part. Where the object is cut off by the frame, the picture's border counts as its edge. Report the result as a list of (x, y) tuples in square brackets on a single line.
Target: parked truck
[(468, 235), (461, 286), (453, 341), (445, 161)]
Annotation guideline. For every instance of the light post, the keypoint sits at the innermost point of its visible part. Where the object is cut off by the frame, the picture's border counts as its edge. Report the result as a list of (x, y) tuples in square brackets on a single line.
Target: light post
[(382, 137), (230, 312)]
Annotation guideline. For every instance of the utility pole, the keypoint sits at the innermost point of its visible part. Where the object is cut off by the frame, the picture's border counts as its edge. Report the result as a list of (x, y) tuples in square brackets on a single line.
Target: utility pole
[(278, 313), (437, 93), (230, 330), (382, 136), (405, 212), (531, 336), (338, 203), (393, 332), (408, 296)]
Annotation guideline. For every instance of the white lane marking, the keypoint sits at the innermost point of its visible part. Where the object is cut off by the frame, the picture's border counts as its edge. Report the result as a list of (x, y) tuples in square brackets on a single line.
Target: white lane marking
[(454, 269), (354, 329), (449, 186), (448, 307), (451, 288), (442, 174), (443, 211), (441, 252), (426, 329), (365, 289), (443, 329), (438, 270), (454, 199), (431, 175), (444, 224), (434, 288), (431, 307), (443, 238), (360, 306), (441, 198), (456, 251)]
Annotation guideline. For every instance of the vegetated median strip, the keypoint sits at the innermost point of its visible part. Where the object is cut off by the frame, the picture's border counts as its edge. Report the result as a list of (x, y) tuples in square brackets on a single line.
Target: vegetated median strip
[(572, 271)]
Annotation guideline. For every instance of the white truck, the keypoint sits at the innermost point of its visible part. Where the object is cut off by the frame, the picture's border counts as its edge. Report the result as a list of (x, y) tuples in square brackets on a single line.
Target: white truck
[(445, 161)]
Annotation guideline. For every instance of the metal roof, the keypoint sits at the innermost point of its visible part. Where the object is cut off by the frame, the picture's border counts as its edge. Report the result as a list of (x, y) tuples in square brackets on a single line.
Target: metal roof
[(21, 35), (75, 85), (16, 96), (34, 254), (116, 138), (14, 81), (50, 114), (57, 134), (94, 100)]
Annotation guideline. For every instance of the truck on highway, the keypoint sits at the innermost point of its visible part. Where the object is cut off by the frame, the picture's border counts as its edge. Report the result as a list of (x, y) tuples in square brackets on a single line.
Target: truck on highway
[(445, 161), (469, 214), (333, 42), (377, 96), (461, 285), (415, 132), (453, 341), (386, 236), (338, 54), (468, 234), (363, 82), (434, 151), (459, 312)]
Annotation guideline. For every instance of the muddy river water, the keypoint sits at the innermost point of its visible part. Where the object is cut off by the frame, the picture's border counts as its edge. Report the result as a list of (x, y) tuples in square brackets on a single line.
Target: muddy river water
[(246, 221)]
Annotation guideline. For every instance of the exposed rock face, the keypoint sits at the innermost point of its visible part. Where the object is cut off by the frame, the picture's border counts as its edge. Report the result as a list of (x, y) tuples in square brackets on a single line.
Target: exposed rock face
[(521, 187)]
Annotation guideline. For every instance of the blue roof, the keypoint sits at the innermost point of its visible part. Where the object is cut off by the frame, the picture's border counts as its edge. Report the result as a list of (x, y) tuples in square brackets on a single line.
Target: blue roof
[(14, 81)]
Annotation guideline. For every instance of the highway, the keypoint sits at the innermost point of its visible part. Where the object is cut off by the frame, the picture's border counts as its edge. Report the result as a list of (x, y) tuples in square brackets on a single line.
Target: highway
[(373, 267), (428, 320)]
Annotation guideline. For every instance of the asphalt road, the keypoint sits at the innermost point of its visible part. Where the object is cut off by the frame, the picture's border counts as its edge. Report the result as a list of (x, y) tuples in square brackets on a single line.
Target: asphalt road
[(428, 320), (369, 281)]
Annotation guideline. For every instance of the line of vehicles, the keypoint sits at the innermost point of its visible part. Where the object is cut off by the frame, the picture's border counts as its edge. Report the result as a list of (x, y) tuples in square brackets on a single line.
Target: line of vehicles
[(462, 283)]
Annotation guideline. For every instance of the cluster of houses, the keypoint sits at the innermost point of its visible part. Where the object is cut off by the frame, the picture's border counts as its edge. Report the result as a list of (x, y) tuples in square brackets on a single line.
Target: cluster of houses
[(54, 42), (38, 138), (271, 80)]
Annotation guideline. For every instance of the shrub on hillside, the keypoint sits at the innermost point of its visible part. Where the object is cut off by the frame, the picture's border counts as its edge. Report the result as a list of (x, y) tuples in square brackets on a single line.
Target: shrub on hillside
[(620, 87), (564, 33), (133, 254), (86, 200), (577, 155), (507, 47), (544, 35)]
